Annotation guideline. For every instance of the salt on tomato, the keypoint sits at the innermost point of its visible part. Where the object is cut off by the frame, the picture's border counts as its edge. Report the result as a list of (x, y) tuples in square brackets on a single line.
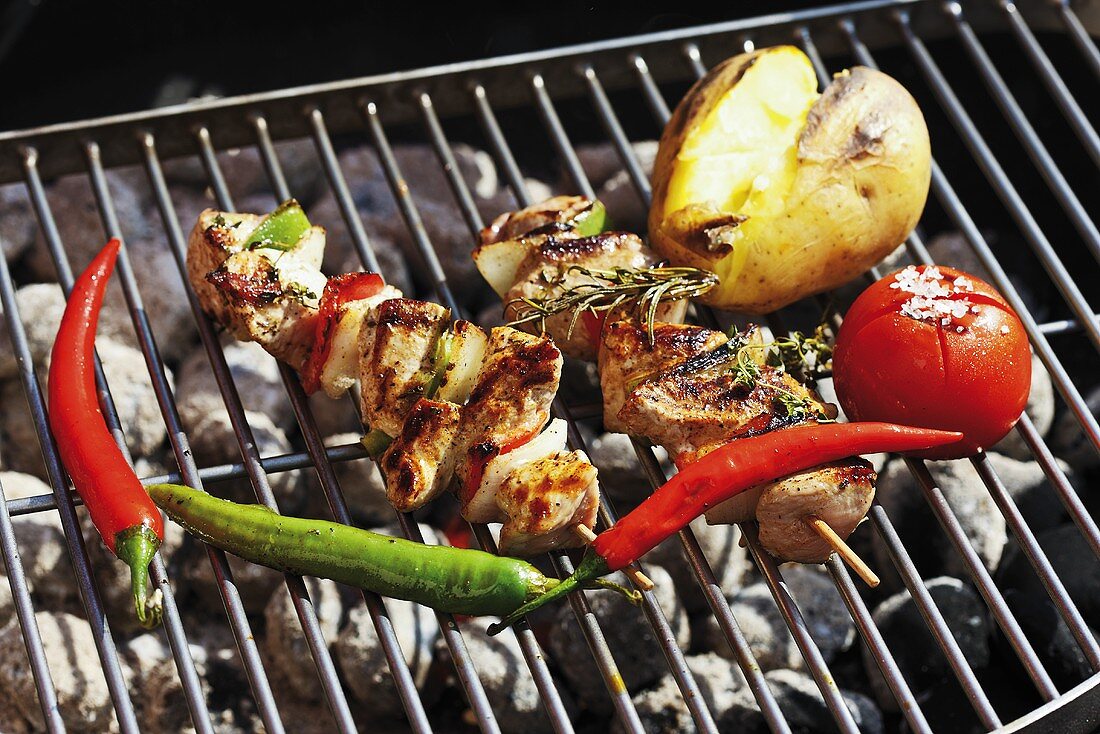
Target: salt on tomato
[(934, 347)]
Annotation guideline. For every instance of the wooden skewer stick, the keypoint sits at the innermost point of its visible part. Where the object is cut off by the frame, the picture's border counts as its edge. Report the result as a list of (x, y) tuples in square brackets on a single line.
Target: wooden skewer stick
[(843, 550), (640, 580)]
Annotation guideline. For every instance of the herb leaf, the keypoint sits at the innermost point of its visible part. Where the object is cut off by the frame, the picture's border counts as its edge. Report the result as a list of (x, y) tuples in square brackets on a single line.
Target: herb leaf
[(644, 288)]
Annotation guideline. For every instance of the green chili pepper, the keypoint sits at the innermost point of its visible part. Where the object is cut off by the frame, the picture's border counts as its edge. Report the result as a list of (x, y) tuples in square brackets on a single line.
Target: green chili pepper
[(592, 221), (447, 579), (281, 229)]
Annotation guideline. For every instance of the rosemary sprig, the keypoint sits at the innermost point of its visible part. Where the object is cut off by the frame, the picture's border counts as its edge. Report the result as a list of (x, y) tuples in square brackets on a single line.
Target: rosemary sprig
[(610, 289)]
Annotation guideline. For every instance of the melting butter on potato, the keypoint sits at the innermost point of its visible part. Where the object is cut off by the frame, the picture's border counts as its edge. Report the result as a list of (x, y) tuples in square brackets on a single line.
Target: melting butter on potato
[(782, 191)]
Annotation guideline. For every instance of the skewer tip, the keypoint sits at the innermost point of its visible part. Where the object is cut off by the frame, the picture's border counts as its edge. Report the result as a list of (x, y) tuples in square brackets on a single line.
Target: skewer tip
[(843, 550)]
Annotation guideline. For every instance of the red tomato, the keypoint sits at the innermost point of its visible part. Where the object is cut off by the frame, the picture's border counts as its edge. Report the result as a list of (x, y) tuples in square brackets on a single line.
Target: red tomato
[(934, 347)]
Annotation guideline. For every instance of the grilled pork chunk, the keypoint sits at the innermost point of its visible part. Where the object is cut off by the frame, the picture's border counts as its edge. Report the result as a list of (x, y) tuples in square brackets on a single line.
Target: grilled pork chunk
[(626, 358), (395, 358), (418, 465), (544, 499), (509, 404), (840, 494), (264, 295), (699, 405), (547, 271), (545, 214)]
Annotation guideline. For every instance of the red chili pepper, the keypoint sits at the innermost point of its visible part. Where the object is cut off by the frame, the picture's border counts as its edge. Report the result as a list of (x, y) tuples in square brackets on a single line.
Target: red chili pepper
[(127, 520), (724, 473), (339, 289)]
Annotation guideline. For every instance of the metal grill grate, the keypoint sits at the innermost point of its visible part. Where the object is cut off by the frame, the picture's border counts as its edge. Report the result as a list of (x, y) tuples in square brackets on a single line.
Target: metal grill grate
[(422, 100)]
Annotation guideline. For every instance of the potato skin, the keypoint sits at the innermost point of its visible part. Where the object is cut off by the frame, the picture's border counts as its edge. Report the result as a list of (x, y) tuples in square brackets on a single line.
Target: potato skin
[(864, 164)]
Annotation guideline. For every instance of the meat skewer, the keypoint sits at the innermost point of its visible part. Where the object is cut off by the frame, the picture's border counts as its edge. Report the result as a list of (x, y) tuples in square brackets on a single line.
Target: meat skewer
[(449, 404), (687, 388)]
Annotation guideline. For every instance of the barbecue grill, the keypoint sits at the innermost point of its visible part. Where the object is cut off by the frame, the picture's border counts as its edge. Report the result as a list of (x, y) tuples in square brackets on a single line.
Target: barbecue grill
[(565, 88)]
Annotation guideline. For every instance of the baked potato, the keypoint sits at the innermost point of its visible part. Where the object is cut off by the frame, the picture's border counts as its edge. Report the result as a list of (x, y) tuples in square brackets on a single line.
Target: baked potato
[(781, 191)]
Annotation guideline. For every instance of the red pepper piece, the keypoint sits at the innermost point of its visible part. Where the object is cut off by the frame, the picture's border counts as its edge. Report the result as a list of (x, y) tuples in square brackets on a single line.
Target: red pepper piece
[(724, 473), (339, 290), (127, 520), (593, 324), (482, 454)]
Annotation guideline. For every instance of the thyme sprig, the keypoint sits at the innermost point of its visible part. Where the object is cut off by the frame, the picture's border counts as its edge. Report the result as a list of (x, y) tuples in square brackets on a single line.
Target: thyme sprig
[(612, 289), (796, 354)]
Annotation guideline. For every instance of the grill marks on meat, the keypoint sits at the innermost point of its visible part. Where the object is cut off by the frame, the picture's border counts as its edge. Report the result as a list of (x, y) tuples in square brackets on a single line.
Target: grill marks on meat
[(262, 295), (699, 405), (689, 401), (419, 463), (626, 358), (542, 216), (532, 484), (511, 398), (546, 272), (544, 499), (395, 357)]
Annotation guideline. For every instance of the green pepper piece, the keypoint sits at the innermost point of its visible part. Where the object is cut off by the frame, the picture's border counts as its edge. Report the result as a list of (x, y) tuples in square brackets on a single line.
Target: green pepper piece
[(592, 221), (281, 229), (376, 442), (440, 362)]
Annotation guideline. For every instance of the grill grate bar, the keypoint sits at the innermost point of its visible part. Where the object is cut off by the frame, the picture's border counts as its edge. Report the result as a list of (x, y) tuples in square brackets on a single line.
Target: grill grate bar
[(788, 607), (462, 194), (339, 186), (932, 615), (529, 645), (295, 584), (593, 634), (366, 252), (1027, 135), (217, 473), (993, 598), (871, 635), (1072, 111), (541, 674), (250, 657), (996, 175), (1004, 502), (177, 437), (387, 636), (949, 198), (1068, 495), (1053, 472), (1039, 561), (28, 625), (1080, 36), (719, 606), (501, 152), (74, 540), (641, 184), (185, 665), (684, 678)]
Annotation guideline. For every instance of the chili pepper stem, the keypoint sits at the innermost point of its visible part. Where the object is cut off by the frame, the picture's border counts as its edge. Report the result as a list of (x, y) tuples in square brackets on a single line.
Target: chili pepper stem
[(136, 547), (632, 595), (592, 566)]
